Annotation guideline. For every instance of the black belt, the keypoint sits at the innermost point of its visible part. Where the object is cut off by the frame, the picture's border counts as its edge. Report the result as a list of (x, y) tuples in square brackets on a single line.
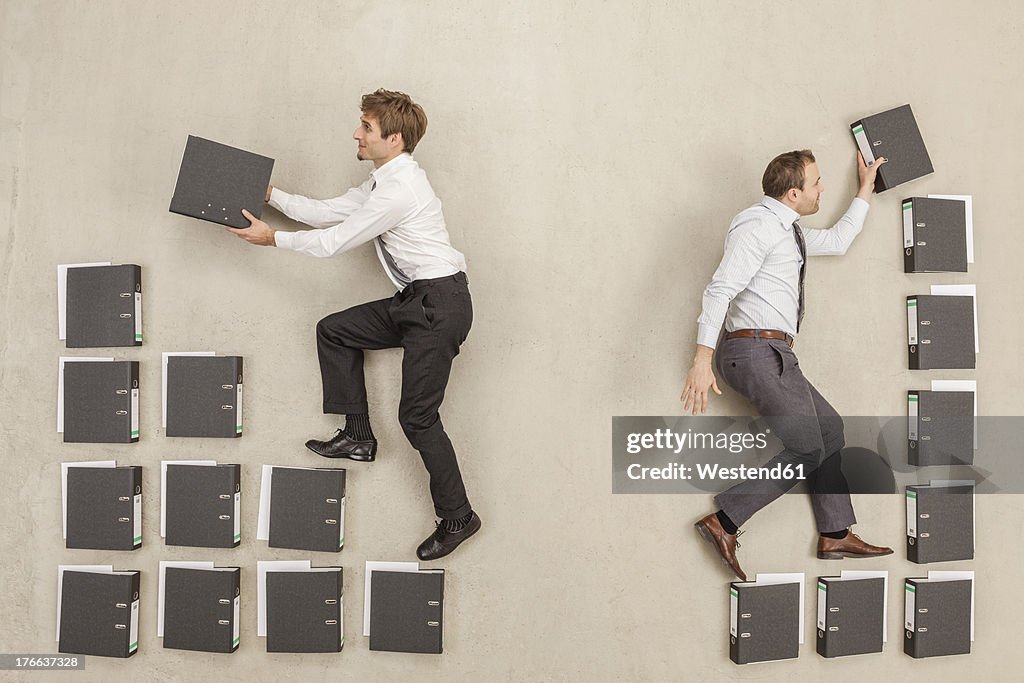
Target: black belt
[(762, 334)]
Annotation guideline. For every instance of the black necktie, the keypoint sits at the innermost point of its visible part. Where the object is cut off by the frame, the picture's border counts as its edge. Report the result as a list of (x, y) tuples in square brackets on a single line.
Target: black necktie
[(389, 260), (798, 233)]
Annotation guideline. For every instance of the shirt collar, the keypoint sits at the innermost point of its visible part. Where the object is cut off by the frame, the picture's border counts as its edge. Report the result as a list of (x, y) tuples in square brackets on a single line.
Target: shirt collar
[(787, 215), (391, 167)]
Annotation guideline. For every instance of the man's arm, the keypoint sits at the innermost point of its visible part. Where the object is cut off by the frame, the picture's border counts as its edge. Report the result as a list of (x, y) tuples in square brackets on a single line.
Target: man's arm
[(383, 210), (745, 251), (318, 213), (837, 239)]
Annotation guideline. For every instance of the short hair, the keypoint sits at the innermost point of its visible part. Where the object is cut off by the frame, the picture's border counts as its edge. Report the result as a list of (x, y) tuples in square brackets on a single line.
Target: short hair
[(396, 113), (786, 171)]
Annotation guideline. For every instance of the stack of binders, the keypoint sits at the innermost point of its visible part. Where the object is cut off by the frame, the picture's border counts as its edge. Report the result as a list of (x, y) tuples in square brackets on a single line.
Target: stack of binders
[(301, 608), (102, 506), (940, 522), (201, 504), (765, 620), (97, 611), (200, 608), (851, 614), (404, 608), (302, 508), (939, 614)]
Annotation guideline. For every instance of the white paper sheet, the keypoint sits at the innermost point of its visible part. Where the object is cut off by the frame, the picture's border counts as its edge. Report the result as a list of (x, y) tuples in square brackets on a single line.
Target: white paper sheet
[(163, 486), (60, 381), (163, 374), (62, 294), (384, 567)]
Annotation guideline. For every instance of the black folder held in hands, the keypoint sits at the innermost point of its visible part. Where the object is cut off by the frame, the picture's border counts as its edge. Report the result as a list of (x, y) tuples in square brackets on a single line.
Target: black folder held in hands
[(215, 182), (894, 135)]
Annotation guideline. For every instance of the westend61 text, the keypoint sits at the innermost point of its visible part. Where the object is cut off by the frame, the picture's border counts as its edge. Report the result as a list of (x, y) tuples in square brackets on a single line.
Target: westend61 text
[(716, 472)]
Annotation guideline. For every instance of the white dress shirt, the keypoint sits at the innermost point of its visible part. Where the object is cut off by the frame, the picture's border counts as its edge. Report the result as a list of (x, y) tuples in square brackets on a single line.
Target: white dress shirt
[(396, 207), (760, 270)]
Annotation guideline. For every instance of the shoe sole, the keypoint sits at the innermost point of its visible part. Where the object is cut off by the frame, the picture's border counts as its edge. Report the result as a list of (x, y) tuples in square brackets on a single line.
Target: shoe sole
[(345, 456), (839, 556), (706, 534)]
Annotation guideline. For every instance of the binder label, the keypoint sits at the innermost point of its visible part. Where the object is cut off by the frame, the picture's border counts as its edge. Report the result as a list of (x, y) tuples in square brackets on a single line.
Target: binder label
[(238, 408), (734, 609), (238, 519), (135, 413), (910, 608), (862, 143), (911, 514), (912, 321), (822, 600), (234, 626), (133, 633), (341, 525), (912, 403), (908, 224), (137, 532), (138, 316)]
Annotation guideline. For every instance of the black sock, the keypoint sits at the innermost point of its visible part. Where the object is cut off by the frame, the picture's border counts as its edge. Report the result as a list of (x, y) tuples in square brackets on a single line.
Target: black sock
[(357, 426), (726, 523), (455, 525), (835, 534)]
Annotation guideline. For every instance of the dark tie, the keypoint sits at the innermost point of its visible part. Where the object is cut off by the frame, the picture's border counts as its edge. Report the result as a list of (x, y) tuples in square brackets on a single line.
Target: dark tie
[(799, 234), (389, 260)]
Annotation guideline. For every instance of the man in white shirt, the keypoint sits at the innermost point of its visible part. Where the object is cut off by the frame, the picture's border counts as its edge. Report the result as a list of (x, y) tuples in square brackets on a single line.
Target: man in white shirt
[(428, 318), (757, 294)]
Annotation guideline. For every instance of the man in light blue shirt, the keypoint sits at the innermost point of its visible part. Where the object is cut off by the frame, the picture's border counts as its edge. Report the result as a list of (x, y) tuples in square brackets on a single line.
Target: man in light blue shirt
[(755, 302)]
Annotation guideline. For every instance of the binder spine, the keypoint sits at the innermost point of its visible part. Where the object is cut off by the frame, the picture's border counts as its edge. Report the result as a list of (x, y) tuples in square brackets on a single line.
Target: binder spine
[(236, 538), (913, 346), (137, 283), (238, 399), (913, 540), (909, 238), (133, 407), (821, 645), (861, 137), (132, 644), (235, 630), (913, 434), (735, 649), (136, 506)]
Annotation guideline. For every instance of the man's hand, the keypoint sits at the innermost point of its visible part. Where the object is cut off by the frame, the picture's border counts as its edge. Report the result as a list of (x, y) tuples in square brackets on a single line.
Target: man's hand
[(698, 381), (259, 233), (867, 174)]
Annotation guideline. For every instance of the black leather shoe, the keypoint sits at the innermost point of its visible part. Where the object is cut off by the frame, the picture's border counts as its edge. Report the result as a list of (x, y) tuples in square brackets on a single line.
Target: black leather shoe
[(343, 446), (442, 541)]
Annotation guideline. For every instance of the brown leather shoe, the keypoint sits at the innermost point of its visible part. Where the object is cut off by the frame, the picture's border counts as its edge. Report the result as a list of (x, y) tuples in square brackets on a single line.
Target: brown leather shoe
[(851, 546), (725, 543)]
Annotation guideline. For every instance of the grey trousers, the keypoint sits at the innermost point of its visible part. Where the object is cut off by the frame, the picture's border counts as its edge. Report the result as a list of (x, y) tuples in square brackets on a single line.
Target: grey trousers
[(767, 373)]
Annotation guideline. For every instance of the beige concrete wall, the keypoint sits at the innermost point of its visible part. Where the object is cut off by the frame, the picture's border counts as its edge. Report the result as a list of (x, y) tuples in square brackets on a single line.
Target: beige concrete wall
[(590, 156)]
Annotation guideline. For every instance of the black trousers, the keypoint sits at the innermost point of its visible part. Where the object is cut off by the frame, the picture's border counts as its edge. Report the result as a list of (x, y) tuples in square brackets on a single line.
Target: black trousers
[(429, 320)]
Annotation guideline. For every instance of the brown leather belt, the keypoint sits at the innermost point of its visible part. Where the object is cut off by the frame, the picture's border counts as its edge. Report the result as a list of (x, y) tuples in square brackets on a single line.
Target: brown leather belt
[(762, 334)]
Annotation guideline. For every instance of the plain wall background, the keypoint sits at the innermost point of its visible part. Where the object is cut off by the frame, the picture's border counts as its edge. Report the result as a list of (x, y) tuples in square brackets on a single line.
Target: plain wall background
[(590, 157)]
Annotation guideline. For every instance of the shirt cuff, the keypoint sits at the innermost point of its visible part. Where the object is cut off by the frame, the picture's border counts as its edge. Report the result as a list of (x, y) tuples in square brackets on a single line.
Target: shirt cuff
[(279, 199), (284, 240), (707, 335)]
